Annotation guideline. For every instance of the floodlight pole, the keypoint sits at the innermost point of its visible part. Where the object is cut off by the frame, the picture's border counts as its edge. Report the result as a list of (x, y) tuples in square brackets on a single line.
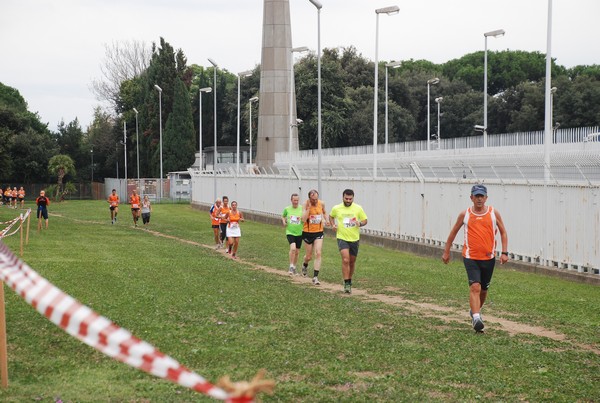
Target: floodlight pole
[(389, 11), (394, 65), (432, 81), (206, 89), (495, 34), (215, 124)]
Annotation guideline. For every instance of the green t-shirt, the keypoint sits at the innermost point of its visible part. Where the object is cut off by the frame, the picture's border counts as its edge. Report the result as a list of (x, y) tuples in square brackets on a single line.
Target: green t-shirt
[(348, 221), (293, 217)]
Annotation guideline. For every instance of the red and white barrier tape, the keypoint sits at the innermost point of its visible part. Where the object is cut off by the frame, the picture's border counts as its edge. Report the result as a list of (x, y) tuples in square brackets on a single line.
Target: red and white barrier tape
[(97, 331), (21, 219)]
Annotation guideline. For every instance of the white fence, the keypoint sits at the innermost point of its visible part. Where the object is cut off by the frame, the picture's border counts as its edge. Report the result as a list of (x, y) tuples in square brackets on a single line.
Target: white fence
[(554, 225)]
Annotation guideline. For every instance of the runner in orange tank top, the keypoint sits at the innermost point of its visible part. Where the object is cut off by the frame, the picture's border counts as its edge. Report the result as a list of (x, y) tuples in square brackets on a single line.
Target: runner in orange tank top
[(215, 219), (135, 201), (21, 196), (113, 202), (481, 223), (314, 216), (223, 223), (234, 217)]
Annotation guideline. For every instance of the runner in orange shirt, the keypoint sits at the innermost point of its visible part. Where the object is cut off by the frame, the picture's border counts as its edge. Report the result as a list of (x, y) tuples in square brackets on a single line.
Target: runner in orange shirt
[(13, 194), (113, 202), (234, 217), (215, 218), (481, 224), (314, 216), (223, 223), (21, 197), (134, 201), (8, 196)]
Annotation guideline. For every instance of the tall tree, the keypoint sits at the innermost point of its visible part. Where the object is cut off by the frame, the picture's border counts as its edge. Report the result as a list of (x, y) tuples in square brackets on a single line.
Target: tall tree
[(122, 61), (179, 139), (61, 165)]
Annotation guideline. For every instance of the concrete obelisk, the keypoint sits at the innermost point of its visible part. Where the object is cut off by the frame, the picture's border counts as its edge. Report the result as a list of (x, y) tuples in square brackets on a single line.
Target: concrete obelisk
[(274, 97)]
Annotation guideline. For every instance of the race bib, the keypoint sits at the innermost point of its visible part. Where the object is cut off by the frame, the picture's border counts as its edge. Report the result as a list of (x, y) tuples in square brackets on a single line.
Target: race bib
[(314, 219), (350, 222), (234, 225), (114, 204), (134, 205), (294, 219)]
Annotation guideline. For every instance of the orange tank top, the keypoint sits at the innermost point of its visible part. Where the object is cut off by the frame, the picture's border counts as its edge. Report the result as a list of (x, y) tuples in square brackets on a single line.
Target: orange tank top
[(113, 200), (480, 235), (215, 215), (224, 211), (134, 201), (234, 216), (314, 221)]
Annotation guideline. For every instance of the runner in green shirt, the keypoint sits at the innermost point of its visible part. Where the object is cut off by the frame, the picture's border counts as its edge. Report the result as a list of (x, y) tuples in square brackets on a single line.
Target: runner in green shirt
[(292, 221), (347, 218)]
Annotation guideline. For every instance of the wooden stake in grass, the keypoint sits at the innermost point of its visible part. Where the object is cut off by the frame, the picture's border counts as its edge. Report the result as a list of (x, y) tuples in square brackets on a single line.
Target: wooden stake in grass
[(3, 349)]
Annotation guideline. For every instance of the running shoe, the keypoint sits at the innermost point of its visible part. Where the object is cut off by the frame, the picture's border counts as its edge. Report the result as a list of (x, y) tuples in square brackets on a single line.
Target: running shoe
[(292, 271), (347, 289), (304, 270), (316, 281), (478, 325)]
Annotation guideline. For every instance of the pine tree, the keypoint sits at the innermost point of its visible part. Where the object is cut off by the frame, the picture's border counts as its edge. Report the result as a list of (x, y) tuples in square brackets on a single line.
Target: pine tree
[(178, 138)]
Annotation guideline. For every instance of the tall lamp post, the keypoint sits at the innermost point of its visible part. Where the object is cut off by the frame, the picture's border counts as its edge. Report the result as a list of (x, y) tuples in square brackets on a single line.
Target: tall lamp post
[(125, 151), (389, 11), (215, 124), (92, 152), (438, 101), (250, 101), (495, 34), (137, 142), (393, 65), (291, 100), (318, 5), (205, 89), (240, 75), (160, 139), (432, 81)]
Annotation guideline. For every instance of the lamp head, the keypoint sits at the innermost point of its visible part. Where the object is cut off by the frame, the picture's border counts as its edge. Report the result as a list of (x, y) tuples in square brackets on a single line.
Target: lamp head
[(439, 99), (553, 90), (317, 4), (394, 65), (206, 89), (495, 34), (212, 62), (135, 110), (245, 73), (388, 10), (299, 121), (433, 81), (300, 49), (253, 99), (479, 128), (158, 88)]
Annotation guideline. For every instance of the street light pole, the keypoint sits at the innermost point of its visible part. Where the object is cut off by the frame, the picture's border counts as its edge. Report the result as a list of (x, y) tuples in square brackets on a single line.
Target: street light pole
[(432, 81), (291, 100), (389, 11), (438, 100), (495, 34), (318, 6), (253, 99), (240, 75), (215, 124), (125, 150), (92, 152), (160, 140), (137, 142), (394, 65), (205, 89)]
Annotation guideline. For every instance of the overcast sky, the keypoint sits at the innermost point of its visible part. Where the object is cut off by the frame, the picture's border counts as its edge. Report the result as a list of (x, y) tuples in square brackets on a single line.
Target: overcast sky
[(51, 50)]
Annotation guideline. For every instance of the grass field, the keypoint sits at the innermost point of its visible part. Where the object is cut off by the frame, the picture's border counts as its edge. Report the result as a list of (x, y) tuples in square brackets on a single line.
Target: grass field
[(403, 335)]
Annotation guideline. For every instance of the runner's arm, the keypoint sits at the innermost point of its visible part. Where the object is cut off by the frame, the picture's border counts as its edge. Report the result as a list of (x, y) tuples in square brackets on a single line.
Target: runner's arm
[(457, 226)]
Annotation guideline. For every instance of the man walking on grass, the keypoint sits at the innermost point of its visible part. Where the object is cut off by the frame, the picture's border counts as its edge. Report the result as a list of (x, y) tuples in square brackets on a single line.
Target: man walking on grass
[(291, 218), (347, 218), (481, 224)]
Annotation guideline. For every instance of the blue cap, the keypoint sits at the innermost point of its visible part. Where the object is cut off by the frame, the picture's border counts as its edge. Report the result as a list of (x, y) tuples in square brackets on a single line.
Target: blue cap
[(479, 190)]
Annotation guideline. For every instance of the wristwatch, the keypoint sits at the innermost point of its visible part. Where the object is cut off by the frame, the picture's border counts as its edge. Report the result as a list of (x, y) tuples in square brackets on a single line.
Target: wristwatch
[(505, 253)]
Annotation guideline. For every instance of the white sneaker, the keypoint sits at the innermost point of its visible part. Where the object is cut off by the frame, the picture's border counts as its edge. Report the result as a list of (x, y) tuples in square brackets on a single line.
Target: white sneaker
[(292, 271), (316, 281)]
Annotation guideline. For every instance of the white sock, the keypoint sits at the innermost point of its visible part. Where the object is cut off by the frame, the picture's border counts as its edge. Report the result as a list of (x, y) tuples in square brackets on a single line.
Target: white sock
[(476, 316)]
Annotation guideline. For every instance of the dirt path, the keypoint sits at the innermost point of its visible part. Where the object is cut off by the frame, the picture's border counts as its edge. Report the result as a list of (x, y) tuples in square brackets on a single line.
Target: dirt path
[(422, 308), (445, 314)]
